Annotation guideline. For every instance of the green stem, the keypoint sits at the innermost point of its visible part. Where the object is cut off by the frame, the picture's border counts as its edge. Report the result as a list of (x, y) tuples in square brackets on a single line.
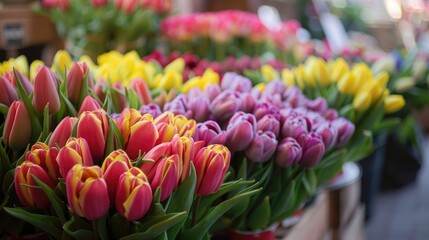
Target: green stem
[(126, 227), (195, 212), (94, 229)]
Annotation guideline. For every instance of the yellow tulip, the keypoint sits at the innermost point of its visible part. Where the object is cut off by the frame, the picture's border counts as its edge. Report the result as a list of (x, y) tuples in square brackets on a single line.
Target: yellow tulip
[(34, 67), (91, 65), (338, 69), (299, 76), (347, 84), (382, 79), (178, 65), (404, 84), (288, 78), (62, 62), (362, 73), (261, 86), (170, 80), (362, 101), (195, 82), (372, 88), (394, 103), (269, 73), (21, 64), (108, 57), (210, 77), (322, 74)]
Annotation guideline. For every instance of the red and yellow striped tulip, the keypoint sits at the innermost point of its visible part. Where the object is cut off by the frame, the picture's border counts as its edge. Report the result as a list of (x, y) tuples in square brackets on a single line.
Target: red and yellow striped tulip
[(76, 151), (115, 164)]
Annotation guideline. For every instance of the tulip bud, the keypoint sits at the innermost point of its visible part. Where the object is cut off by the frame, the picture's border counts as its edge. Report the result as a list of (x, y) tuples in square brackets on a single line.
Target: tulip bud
[(76, 151), (89, 104), (186, 149), (362, 101), (296, 126), (262, 148), (100, 89), (45, 92), (328, 134), (62, 61), (142, 90), (262, 109), (321, 72), (212, 91), (26, 84), (248, 102), (93, 127), (236, 82), (75, 79), (126, 6), (45, 157), (347, 84), (156, 154), (385, 64), (133, 195), (17, 128), (404, 84), (331, 114), (419, 68), (288, 77), (99, 3), (177, 106), (313, 149), (268, 123), (345, 130), (167, 175), (394, 103), (225, 105), (273, 88), (288, 152), (210, 133), (87, 193), (116, 163), (62, 132), (7, 92), (199, 106), (34, 68), (240, 131), (164, 124), (294, 97), (269, 73), (151, 109), (184, 127), (27, 189), (211, 164), (318, 105)]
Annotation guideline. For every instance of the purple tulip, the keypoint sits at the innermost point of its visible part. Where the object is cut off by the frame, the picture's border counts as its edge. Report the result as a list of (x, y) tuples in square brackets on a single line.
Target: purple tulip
[(194, 92), (210, 133), (273, 88), (313, 149), (294, 96), (268, 123), (212, 91), (7, 92), (247, 102), (328, 134), (255, 93), (295, 127), (199, 108), (288, 153), (152, 109), (318, 105), (178, 106), (345, 130), (262, 148), (331, 114), (236, 82), (225, 105), (240, 131), (266, 108)]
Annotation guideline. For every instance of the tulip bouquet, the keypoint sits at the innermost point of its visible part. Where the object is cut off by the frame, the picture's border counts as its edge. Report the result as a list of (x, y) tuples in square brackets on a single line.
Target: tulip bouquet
[(107, 24), (277, 136), (129, 177), (216, 35)]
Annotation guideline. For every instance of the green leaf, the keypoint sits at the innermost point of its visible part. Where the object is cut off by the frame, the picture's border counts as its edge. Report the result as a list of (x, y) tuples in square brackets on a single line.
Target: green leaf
[(46, 223), (3, 109), (78, 228), (56, 202), (110, 144), (5, 165), (102, 228), (46, 117), (181, 200), (282, 204), (36, 128), (132, 99), (84, 90), (259, 217), (69, 106), (201, 228), (118, 135), (8, 180), (158, 226)]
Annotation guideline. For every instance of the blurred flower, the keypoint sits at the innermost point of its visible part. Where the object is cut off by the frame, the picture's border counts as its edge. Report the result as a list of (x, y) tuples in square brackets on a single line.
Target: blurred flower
[(142, 90), (262, 148), (345, 130), (75, 79), (268, 123), (7, 92), (288, 152), (45, 92), (236, 82), (313, 149), (394, 103), (62, 61), (225, 105), (151, 109), (295, 127), (87, 192), (328, 134), (362, 101), (269, 73), (17, 126), (240, 131)]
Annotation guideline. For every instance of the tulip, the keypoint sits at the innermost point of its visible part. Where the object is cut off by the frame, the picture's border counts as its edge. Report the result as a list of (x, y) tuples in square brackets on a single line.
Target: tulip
[(225, 105), (142, 90), (34, 68), (99, 3), (296, 126), (167, 176), (348, 84), (186, 149), (45, 92), (61, 62), (321, 72), (184, 127), (212, 91), (26, 84), (240, 131), (88, 104), (87, 193), (7, 92), (151, 109), (27, 189), (177, 106), (45, 157), (262, 109), (100, 89), (75, 79), (155, 155), (328, 134), (164, 124), (404, 84), (262, 148), (331, 114), (294, 97), (128, 6), (236, 82), (268, 123), (394, 103), (248, 102), (17, 128), (93, 127), (210, 133), (419, 68), (76, 151), (288, 152), (313, 149), (62, 132), (385, 64), (362, 101), (288, 77), (211, 164), (116, 163), (345, 130), (133, 195), (318, 105), (199, 106), (269, 73), (273, 88)]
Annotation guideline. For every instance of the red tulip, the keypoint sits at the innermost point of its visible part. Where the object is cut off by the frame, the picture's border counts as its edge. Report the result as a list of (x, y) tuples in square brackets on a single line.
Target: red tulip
[(116, 163), (93, 126), (156, 154), (45, 91), (167, 176), (87, 192), (17, 128), (140, 87), (7, 92), (62, 132), (134, 194), (74, 80), (89, 104), (45, 157), (76, 151)]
